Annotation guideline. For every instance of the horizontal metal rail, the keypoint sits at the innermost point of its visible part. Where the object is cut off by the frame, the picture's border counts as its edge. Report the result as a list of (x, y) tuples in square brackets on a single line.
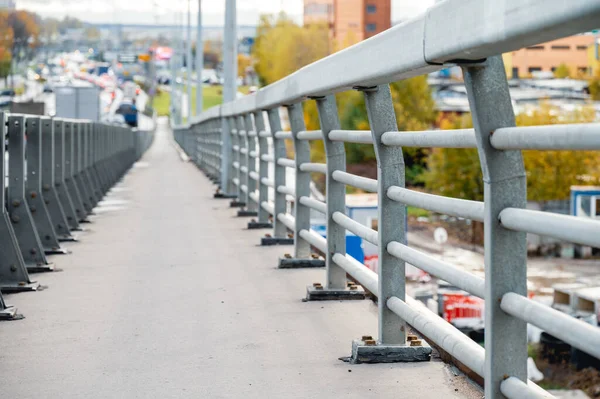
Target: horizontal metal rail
[(314, 204), (253, 196), (310, 135), (286, 190), (578, 333), (555, 137), (452, 340), (267, 158), (283, 135), (267, 207), (267, 182), (351, 136), (459, 138), (264, 134), (568, 228), (287, 220), (514, 388), (288, 163), (358, 229), (444, 270), (436, 203), (349, 179), (313, 167), (315, 239), (253, 175)]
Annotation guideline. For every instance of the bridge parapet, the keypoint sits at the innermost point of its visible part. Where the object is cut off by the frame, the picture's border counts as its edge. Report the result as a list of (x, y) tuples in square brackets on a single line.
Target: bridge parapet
[(57, 170), (240, 144)]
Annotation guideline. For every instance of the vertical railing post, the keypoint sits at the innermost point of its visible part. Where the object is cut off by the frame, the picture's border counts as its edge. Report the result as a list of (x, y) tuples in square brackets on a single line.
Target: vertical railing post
[(505, 250), (335, 192), (242, 136), (59, 175), (263, 173), (33, 187), (49, 194), (69, 171), (13, 272), (246, 125), (20, 215), (78, 166), (226, 188), (280, 231), (236, 141), (302, 248)]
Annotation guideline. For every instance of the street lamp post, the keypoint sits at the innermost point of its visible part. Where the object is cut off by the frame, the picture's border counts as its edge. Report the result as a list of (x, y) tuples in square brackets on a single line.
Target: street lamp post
[(199, 60), (188, 61)]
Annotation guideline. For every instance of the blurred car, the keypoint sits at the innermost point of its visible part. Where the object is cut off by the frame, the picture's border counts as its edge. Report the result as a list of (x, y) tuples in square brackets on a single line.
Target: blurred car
[(48, 89), (129, 112), (7, 92)]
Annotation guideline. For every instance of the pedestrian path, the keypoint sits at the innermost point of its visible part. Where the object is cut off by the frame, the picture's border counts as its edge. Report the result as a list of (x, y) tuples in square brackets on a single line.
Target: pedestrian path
[(166, 295)]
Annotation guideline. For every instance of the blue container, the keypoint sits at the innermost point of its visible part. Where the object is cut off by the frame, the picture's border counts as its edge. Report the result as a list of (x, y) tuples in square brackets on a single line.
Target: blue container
[(353, 243)]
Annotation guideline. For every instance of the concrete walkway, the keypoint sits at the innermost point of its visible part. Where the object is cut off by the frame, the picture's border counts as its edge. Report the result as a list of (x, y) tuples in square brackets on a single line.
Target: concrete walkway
[(167, 296)]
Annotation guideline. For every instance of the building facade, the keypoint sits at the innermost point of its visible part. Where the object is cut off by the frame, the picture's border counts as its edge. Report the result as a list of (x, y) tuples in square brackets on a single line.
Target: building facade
[(350, 21), (546, 57), (7, 4)]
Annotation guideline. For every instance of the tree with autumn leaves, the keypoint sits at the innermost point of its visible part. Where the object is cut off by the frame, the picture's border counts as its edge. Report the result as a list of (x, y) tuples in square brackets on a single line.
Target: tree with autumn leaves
[(20, 30)]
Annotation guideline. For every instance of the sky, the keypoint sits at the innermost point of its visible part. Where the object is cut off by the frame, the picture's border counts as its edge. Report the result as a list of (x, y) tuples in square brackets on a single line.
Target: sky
[(165, 11)]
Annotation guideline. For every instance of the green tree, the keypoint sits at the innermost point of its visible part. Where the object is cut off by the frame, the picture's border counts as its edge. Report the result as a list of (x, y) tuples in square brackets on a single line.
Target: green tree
[(282, 46), (562, 71), (414, 108), (550, 174)]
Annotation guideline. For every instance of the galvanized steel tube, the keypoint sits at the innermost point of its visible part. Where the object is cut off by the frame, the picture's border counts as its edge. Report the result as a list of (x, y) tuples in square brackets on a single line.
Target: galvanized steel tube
[(314, 204), (459, 138), (437, 203), (349, 179), (444, 270), (352, 136), (357, 228), (568, 228), (314, 239), (313, 167), (579, 136), (571, 330)]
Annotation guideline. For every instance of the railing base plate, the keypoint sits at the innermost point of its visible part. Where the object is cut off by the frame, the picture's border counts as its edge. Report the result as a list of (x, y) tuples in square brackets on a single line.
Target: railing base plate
[(223, 195), (67, 239), (259, 225), (323, 294), (296, 263), (363, 353), (41, 268), (9, 288), (10, 313), (267, 241), (237, 204), (56, 251), (245, 212)]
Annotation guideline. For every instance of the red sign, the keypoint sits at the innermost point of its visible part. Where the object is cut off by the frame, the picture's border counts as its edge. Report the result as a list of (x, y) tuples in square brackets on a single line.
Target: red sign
[(462, 305)]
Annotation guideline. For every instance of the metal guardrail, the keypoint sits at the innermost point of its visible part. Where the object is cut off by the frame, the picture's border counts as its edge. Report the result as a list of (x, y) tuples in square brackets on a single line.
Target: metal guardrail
[(58, 171), (232, 144)]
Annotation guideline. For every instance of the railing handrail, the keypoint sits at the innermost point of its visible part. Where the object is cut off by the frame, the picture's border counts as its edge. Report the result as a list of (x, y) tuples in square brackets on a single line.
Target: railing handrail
[(450, 31)]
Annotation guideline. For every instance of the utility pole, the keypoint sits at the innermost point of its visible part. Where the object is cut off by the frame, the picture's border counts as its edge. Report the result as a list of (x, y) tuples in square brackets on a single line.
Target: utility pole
[(173, 62), (188, 61), (199, 60), (229, 89), (230, 52)]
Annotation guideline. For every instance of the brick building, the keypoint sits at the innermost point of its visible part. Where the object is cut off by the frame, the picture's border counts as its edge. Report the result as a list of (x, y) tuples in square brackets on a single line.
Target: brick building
[(350, 21), (546, 57)]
